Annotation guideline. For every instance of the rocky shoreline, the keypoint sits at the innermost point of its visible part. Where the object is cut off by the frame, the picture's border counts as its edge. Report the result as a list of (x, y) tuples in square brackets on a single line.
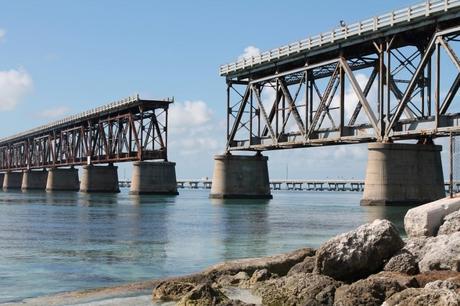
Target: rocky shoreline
[(370, 265)]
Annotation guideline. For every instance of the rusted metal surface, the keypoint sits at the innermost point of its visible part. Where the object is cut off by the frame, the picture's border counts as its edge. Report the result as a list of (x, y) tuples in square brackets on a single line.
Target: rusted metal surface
[(129, 130), (384, 84)]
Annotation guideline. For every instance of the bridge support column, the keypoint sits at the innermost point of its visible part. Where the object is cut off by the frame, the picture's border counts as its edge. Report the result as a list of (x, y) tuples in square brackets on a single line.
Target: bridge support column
[(154, 178), (237, 176), (99, 179), (34, 180), (60, 179), (403, 174), (12, 180)]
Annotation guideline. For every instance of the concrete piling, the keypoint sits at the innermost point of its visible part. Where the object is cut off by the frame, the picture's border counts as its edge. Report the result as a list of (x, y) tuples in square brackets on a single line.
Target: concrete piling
[(154, 178), (34, 179), (12, 180), (62, 179), (237, 176), (99, 179), (403, 174)]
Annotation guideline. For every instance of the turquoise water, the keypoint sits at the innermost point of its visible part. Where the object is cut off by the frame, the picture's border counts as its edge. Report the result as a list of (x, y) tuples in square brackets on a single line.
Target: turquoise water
[(55, 242)]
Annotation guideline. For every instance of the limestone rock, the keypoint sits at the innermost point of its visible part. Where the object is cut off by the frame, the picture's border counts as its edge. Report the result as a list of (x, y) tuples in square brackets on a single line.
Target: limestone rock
[(358, 253), (204, 295), (171, 290), (451, 224), (442, 284), (404, 262), (298, 289), (277, 264), (427, 277), (367, 292), (306, 266), (423, 297), (425, 220), (441, 253), (259, 276)]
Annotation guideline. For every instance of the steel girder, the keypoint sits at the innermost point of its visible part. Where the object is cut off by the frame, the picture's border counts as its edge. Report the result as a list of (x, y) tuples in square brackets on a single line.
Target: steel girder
[(395, 91)]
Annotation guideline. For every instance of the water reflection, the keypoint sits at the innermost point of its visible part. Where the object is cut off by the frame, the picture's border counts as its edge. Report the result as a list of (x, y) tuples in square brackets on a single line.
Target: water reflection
[(244, 223), (395, 214)]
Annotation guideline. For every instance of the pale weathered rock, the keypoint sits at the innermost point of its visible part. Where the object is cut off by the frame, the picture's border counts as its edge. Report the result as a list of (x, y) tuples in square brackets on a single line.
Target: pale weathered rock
[(203, 295), (404, 262), (372, 291), (277, 264), (442, 284), (423, 297), (171, 290), (359, 253), (306, 266), (259, 276), (451, 224), (298, 289), (441, 253), (425, 220)]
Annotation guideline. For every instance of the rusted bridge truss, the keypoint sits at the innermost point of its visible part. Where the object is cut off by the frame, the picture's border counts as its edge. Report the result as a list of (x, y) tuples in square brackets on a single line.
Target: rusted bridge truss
[(392, 77), (128, 130)]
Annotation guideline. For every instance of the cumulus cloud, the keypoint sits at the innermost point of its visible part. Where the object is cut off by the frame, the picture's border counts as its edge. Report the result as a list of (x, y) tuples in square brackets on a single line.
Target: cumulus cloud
[(14, 85), (55, 112), (249, 51), (2, 34), (190, 114)]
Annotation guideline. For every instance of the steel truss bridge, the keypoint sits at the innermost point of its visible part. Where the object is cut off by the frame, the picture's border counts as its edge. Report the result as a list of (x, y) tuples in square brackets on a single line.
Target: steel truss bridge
[(391, 77), (128, 130)]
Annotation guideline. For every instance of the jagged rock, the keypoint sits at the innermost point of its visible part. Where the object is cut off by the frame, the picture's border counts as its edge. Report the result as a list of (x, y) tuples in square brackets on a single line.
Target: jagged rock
[(277, 264), (451, 224), (204, 295), (442, 284), (171, 290), (358, 253), (441, 253), (424, 278), (423, 297), (298, 289), (259, 276), (425, 220), (404, 262), (368, 292), (306, 266)]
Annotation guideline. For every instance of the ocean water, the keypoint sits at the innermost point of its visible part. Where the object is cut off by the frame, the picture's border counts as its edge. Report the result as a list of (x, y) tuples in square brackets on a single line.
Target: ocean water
[(57, 242)]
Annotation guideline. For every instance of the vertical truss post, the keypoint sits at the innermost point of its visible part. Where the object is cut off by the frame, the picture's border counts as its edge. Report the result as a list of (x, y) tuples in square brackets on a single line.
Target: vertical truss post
[(229, 110), (250, 111), (381, 97), (342, 101), (437, 89)]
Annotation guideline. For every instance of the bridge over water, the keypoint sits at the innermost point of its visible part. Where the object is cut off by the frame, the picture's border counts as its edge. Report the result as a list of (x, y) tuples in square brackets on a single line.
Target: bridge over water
[(129, 130), (389, 78)]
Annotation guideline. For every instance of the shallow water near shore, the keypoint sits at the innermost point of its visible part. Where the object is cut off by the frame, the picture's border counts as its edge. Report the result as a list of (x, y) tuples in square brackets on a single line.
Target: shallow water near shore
[(58, 242)]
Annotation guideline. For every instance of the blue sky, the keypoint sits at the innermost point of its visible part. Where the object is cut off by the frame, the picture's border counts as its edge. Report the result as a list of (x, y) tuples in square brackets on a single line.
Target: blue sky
[(62, 57)]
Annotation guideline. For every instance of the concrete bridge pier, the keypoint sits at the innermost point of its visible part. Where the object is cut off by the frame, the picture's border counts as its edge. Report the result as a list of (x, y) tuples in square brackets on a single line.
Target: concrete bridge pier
[(403, 174), (12, 180), (237, 176), (34, 180), (100, 179), (62, 179), (154, 178)]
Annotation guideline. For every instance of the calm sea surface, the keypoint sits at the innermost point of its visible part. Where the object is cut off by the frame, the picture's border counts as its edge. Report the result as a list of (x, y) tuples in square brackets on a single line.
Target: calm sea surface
[(55, 242)]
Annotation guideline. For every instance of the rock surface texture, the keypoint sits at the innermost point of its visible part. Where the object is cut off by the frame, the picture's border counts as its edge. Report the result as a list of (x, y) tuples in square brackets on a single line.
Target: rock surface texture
[(358, 253), (451, 224), (424, 297)]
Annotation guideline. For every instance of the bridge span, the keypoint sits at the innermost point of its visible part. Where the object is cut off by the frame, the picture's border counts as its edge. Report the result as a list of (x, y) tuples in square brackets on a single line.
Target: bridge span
[(389, 78), (129, 130)]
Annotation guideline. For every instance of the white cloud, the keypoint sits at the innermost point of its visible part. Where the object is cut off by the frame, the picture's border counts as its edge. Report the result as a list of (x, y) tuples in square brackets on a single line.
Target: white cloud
[(2, 34), (190, 114), (249, 51), (54, 112), (14, 85)]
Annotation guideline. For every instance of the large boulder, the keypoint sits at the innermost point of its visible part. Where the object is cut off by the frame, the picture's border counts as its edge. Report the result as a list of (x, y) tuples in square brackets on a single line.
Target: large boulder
[(424, 297), (204, 295), (359, 253), (171, 290), (451, 224), (404, 262), (441, 253), (306, 266), (425, 220), (372, 291), (298, 289)]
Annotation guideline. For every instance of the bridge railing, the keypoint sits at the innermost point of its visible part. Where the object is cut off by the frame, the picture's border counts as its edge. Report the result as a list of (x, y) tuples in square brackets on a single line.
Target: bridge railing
[(408, 14)]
